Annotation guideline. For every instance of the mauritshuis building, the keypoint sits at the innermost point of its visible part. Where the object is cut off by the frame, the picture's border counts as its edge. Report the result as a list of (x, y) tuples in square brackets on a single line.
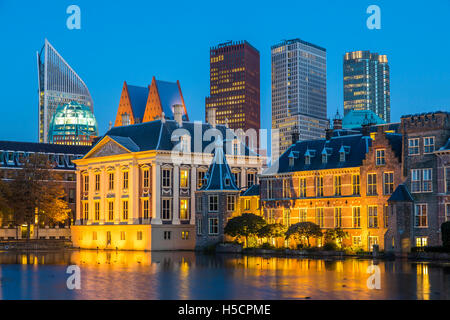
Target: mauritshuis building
[(367, 83), (65, 104), (235, 85), (299, 93)]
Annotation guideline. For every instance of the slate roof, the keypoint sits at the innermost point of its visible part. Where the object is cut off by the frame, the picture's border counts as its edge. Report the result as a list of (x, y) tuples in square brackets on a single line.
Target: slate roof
[(219, 176), (252, 191), (395, 140), (138, 98), (401, 194), (169, 95), (446, 146), (355, 147), (157, 135)]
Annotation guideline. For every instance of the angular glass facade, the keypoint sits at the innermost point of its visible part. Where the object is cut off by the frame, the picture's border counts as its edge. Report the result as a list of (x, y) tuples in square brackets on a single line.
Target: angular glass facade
[(58, 85), (73, 124), (367, 84), (299, 93)]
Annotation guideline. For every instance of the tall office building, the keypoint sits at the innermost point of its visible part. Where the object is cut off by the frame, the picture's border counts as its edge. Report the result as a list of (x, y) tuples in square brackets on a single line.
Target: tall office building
[(58, 85), (299, 93), (234, 85), (367, 84)]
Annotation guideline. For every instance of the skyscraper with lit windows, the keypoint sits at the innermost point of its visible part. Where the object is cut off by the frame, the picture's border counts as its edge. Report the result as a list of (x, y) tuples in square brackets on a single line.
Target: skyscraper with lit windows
[(235, 85), (299, 93), (367, 83)]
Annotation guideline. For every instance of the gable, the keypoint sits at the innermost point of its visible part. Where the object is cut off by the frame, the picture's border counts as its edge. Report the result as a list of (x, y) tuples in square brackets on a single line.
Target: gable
[(108, 148), (124, 107)]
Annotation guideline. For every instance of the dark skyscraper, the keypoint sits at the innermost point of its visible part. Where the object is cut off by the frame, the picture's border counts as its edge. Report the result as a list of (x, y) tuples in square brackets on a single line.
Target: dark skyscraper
[(367, 84), (234, 85)]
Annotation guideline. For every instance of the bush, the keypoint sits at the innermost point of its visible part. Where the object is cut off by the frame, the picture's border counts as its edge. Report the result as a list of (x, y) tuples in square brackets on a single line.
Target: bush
[(267, 246), (330, 246), (445, 231)]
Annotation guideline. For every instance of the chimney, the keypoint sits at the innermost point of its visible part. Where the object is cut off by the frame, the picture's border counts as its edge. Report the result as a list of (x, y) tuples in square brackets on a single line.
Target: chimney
[(211, 117), (178, 114), (337, 124)]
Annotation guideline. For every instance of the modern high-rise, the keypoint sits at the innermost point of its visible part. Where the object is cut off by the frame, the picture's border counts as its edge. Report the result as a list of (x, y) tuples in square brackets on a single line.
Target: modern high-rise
[(58, 84), (367, 84), (299, 93), (235, 85)]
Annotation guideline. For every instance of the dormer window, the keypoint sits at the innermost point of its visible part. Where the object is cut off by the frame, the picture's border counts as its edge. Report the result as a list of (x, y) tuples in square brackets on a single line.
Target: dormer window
[(125, 119), (291, 162), (307, 160), (342, 156), (227, 181), (324, 158)]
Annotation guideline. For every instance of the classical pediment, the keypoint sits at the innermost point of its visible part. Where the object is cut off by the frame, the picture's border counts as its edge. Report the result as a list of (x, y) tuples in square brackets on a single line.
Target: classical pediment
[(110, 148)]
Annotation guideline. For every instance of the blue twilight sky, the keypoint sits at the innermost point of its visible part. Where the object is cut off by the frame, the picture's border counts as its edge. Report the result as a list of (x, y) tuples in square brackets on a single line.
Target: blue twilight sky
[(134, 40)]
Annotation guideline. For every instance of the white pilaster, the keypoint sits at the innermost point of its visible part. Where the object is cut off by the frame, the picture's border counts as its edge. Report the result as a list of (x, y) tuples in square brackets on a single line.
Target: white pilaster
[(117, 202), (193, 188), (156, 193), (78, 192), (176, 195), (134, 193)]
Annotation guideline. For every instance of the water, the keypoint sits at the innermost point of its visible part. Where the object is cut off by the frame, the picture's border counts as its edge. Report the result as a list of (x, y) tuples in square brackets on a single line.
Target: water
[(186, 275)]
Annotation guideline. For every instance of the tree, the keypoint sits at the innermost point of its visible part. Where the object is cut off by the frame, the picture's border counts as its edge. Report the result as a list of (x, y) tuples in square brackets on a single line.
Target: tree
[(303, 230), (245, 225), (36, 189), (274, 230), (336, 235)]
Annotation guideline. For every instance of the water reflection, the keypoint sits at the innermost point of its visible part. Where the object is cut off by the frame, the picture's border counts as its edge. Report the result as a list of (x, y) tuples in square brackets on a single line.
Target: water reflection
[(186, 275)]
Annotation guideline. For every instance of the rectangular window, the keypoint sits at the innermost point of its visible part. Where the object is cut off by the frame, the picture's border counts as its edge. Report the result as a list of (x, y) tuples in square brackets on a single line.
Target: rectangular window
[(356, 217), (94, 235), (319, 186), (110, 211), (139, 235), (303, 215), (145, 208), (416, 180), (421, 215), (184, 178), (213, 225), (302, 187), (246, 204), (231, 200), (97, 211), (338, 217), (388, 183), (167, 235), (125, 180), (356, 184), (200, 179), (213, 203), (125, 210), (199, 203), (86, 183), (146, 178), (97, 182), (166, 209), (372, 216), (250, 179), (413, 146), (427, 180), (166, 178), (269, 189), (86, 211), (372, 184), (319, 217), (421, 242), (270, 216), (237, 178), (356, 241), (447, 212), (184, 209), (122, 235), (428, 145), (337, 186), (287, 217), (380, 157), (184, 235), (111, 181), (286, 188), (447, 179), (386, 216), (199, 225), (373, 240), (71, 195)]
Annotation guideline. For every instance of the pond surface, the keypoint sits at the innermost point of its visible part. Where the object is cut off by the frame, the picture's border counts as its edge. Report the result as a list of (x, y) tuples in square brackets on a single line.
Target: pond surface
[(187, 275)]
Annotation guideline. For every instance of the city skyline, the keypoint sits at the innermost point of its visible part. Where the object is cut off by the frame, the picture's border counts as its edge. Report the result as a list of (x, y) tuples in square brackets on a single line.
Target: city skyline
[(412, 92)]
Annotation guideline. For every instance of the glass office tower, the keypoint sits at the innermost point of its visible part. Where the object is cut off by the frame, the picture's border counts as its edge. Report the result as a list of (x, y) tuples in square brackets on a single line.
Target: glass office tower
[(58, 85), (367, 84), (299, 93)]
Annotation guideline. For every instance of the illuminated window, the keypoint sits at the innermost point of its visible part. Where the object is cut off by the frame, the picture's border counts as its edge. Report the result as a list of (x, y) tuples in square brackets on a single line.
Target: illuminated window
[(146, 178), (110, 211), (372, 184), (200, 179), (428, 144), (139, 235), (302, 187), (122, 235), (86, 211), (184, 209), (97, 182), (86, 183), (356, 241), (287, 217), (319, 217), (373, 240), (247, 204), (213, 226), (302, 215), (111, 181), (380, 157), (94, 235), (286, 188), (125, 180), (356, 184), (388, 183), (125, 210), (184, 178), (184, 235), (421, 242), (421, 215), (413, 146), (97, 211), (319, 186), (213, 201), (338, 217), (145, 208), (166, 209), (372, 216), (337, 186)]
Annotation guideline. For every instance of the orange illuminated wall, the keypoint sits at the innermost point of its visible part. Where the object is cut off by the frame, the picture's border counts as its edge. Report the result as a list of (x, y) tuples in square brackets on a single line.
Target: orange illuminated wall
[(125, 107)]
